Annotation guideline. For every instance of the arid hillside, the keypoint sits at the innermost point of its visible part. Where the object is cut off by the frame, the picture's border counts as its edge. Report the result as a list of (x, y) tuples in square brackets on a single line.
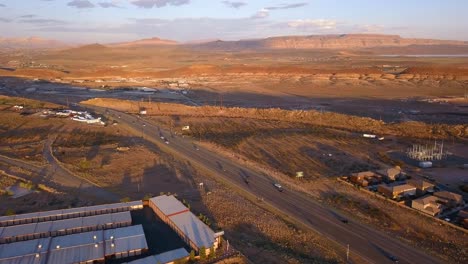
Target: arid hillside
[(343, 41), (331, 120)]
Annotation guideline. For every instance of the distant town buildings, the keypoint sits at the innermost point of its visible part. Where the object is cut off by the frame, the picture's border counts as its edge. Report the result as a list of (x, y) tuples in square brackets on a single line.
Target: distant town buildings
[(397, 191), (391, 174), (422, 187), (428, 204)]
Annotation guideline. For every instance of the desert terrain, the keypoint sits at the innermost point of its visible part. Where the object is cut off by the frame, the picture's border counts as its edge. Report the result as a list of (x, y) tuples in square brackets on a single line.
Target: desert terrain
[(276, 106)]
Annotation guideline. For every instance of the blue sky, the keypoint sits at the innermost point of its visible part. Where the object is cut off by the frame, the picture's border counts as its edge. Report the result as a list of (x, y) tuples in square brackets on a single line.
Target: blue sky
[(103, 21)]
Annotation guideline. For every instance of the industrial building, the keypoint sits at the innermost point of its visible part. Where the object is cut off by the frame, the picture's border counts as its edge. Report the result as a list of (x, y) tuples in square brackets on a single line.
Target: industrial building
[(70, 226), (191, 229), (69, 213), (101, 234), (85, 247)]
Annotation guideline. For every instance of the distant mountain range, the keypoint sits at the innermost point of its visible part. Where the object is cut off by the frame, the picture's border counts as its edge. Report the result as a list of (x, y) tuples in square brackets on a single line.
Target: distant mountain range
[(144, 42), (343, 41), (31, 43)]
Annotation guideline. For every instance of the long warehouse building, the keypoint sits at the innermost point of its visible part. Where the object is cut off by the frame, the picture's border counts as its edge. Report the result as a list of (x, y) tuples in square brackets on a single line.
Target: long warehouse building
[(191, 229), (69, 213), (17, 233)]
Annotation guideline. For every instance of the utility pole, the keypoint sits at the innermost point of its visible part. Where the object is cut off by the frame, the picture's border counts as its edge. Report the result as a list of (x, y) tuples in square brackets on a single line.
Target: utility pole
[(347, 254)]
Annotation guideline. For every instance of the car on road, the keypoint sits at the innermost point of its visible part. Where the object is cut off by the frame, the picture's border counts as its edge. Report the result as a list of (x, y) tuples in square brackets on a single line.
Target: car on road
[(344, 220), (394, 259), (162, 137), (143, 124), (167, 142), (278, 187)]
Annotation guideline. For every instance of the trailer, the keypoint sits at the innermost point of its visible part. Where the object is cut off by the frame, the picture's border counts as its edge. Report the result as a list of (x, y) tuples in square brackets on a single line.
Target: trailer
[(369, 136)]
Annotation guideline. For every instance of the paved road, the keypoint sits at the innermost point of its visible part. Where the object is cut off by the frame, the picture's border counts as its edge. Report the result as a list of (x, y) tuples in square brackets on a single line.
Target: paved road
[(370, 245), (64, 177)]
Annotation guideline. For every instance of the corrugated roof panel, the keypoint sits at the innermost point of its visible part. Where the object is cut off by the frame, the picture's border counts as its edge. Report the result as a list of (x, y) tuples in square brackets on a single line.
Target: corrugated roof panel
[(168, 205), (163, 258), (31, 259), (78, 210), (77, 253), (199, 233), (24, 248), (147, 260), (77, 239), (125, 239), (18, 230), (66, 224), (122, 217), (170, 256), (43, 227)]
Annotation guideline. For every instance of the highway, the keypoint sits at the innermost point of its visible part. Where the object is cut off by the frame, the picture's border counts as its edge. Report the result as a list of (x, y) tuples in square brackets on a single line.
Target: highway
[(368, 244)]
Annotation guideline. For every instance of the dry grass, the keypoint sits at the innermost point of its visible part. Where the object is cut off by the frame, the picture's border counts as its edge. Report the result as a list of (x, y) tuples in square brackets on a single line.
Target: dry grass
[(9, 101), (261, 235), (311, 117), (6, 181), (39, 201)]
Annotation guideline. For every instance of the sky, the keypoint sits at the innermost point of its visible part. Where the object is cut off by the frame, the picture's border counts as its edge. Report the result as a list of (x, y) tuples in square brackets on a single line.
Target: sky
[(107, 21)]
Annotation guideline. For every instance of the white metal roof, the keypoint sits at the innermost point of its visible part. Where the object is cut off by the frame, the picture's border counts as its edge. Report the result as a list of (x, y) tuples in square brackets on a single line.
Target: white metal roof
[(124, 206), (76, 253), (74, 248), (170, 256), (30, 259), (168, 205), (124, 239), (24, 248), (57, 225), (163, 258), (199, 233)]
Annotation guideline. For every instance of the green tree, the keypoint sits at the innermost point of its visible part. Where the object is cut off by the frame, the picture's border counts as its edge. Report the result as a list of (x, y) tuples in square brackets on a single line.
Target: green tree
[(212, 253), (202, 253), (10, 211), (192, 256), (125, 200)]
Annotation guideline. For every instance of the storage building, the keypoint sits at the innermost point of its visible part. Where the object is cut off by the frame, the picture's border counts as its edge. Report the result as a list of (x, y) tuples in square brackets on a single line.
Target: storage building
[(191, 229)]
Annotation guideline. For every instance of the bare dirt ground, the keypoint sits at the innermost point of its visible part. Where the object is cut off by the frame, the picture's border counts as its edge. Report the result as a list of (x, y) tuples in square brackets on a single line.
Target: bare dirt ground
[(257, 233)]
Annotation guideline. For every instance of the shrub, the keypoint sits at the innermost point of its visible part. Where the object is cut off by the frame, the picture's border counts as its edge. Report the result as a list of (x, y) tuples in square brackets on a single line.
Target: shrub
[(202, 253), (125, 200), (9, 212)]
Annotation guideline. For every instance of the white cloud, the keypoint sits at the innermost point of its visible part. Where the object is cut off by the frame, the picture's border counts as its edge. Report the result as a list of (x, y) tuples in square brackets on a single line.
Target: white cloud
[(234, 4), (158, 3), (81, 4), (109, 4), (262, 13), (305, 24), (287, 6)]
